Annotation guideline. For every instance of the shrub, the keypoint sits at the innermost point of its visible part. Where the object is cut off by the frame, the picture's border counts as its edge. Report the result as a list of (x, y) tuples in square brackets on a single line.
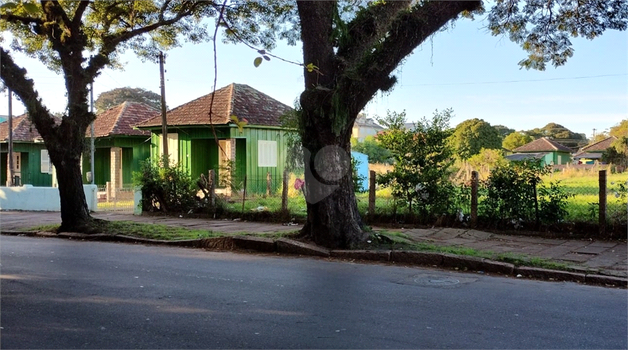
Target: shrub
[(422, 158), (165, 188), (511, 191)]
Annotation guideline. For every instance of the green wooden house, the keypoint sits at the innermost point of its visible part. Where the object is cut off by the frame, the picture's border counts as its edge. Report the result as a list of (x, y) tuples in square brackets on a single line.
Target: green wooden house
[(119, 146), (593, 152), (549, 151), (31, 162), (199, 141)]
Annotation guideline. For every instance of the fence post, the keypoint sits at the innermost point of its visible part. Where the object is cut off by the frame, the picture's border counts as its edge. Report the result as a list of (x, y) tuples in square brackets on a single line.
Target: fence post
[(212, 187), (244, 195), (371, 193), (602, 202), (268, 184), (284, 191), (474, 198)]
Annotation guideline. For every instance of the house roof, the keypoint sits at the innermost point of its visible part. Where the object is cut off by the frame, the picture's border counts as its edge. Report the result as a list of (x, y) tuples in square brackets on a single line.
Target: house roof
[(121, 119), (23, 130), (524, 156), (240, 100), (543, 144), (599, 146)]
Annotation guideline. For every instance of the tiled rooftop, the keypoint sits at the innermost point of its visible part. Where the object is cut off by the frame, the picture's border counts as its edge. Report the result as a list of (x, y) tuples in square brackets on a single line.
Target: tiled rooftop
[(543, 144), (240, 100)]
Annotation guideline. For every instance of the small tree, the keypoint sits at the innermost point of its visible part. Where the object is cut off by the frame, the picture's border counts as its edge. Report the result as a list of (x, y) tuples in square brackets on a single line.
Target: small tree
[(422, 157), (472, 135), (373, 149), (114, 97), (516, 139)]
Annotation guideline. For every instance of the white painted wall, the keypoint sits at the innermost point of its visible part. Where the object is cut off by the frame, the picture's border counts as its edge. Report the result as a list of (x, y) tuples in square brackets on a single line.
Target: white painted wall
[(33, 198)]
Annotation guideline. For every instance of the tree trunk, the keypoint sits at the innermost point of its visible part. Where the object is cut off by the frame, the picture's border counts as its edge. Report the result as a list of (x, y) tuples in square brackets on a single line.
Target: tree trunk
[(333, 219), (75, 216)]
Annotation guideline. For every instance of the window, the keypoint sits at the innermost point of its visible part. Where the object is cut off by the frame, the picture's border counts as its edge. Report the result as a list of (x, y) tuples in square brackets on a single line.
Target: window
[(46, 164), (173, 147), (266, 153)]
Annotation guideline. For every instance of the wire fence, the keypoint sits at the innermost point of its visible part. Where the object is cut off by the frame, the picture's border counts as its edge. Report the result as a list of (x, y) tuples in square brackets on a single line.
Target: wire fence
[(115, 199)]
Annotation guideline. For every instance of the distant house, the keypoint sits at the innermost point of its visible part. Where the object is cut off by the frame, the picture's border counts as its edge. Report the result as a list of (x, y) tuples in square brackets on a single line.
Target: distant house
[(31, 162), (119, 146), (549, 151), (593, 152), (256, 148), (364, 127)]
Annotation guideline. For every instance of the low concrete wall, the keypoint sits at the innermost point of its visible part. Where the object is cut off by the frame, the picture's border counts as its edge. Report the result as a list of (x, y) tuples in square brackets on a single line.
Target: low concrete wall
[(28, 197)]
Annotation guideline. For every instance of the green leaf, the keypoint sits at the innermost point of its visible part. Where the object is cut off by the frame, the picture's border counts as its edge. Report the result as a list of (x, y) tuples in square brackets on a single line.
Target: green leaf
[(257, 61), (311, 67), (30, 7), (9, 6)]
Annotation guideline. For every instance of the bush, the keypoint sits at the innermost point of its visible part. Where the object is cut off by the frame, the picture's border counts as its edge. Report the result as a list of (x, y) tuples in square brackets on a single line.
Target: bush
[(511, 191), (422, 158), (553, 203), (165, 188)]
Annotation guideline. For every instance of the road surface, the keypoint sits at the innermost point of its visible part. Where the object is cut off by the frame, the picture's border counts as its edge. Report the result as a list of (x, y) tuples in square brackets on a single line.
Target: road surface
[(69, 294)]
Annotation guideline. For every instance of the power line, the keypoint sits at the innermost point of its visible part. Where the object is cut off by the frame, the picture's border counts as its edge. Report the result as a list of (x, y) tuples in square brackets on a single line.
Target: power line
[(521, 81)]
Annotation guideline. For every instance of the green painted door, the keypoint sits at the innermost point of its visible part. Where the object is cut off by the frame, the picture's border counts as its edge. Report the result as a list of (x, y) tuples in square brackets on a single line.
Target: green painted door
[(204, 156), (102, 163)]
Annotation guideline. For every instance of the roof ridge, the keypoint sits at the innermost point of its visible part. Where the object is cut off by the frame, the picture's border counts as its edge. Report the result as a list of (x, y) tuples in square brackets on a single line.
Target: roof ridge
[(230, 99), (595, 143), (125, 106)]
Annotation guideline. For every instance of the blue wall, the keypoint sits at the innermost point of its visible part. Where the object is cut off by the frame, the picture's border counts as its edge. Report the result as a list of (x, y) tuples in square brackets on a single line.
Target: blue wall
[(363, 168)]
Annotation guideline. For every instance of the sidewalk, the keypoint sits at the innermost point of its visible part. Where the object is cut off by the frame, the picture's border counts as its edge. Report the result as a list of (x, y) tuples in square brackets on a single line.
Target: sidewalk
[(606, 257)]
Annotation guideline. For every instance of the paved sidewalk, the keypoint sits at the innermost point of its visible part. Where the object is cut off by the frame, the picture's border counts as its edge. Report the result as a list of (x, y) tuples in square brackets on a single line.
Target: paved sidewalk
[(607, 257)]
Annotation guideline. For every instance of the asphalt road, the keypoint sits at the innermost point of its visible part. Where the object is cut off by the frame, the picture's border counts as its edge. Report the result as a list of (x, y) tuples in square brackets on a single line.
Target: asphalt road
[(68, 294)]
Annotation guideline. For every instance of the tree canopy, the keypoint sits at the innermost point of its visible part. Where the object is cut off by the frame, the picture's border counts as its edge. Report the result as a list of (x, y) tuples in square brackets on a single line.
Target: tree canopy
[(472, 135), (516, 139), (80, 38), (116, 96)]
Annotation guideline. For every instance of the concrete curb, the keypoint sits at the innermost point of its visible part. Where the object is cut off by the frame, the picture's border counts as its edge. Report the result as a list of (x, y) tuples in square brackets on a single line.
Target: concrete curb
[(416, 258)]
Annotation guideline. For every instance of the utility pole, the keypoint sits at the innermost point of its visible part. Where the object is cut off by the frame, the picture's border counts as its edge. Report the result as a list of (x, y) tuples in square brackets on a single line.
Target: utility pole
[(164, 122), (10, 150), (92, 149)]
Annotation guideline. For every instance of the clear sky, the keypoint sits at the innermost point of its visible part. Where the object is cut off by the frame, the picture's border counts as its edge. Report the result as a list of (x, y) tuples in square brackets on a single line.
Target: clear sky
[(464, 68)]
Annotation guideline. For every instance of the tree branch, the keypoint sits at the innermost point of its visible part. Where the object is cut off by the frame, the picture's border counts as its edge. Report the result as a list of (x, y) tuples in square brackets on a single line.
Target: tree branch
[(78, 14), (14, 77), (24, 20), (316, 31), (369, 25), (408, 30), (110, 42)]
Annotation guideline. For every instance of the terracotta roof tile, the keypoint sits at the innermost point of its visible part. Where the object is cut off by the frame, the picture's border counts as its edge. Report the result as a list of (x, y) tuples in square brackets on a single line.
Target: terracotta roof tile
[(23, 130), (240, 100), (121, 120), (599, 146), (543, 144)]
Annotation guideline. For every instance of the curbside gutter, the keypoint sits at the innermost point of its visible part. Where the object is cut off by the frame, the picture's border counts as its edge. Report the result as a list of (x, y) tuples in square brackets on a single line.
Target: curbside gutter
[(292, 247)]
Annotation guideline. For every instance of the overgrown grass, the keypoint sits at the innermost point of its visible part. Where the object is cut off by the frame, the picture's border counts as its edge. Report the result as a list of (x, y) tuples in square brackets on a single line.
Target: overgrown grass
[(142, 230)]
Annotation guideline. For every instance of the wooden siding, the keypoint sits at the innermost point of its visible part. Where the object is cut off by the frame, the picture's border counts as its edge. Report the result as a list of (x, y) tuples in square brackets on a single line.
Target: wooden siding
[(31, 165), (198, 153)]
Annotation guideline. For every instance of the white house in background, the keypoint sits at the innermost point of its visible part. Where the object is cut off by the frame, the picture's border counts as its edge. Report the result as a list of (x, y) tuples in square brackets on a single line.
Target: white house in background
[(364, 127)]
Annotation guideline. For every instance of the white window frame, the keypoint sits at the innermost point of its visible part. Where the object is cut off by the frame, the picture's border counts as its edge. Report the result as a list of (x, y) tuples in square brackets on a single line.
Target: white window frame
[(267, 153), (45, 162)]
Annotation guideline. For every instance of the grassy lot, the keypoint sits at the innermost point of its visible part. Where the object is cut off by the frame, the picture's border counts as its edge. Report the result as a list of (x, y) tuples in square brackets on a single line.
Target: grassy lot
[(583, 205)]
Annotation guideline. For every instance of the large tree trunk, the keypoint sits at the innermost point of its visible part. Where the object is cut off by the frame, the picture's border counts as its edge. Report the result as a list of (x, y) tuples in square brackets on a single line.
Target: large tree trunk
[(333, 219), (75, 215)]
